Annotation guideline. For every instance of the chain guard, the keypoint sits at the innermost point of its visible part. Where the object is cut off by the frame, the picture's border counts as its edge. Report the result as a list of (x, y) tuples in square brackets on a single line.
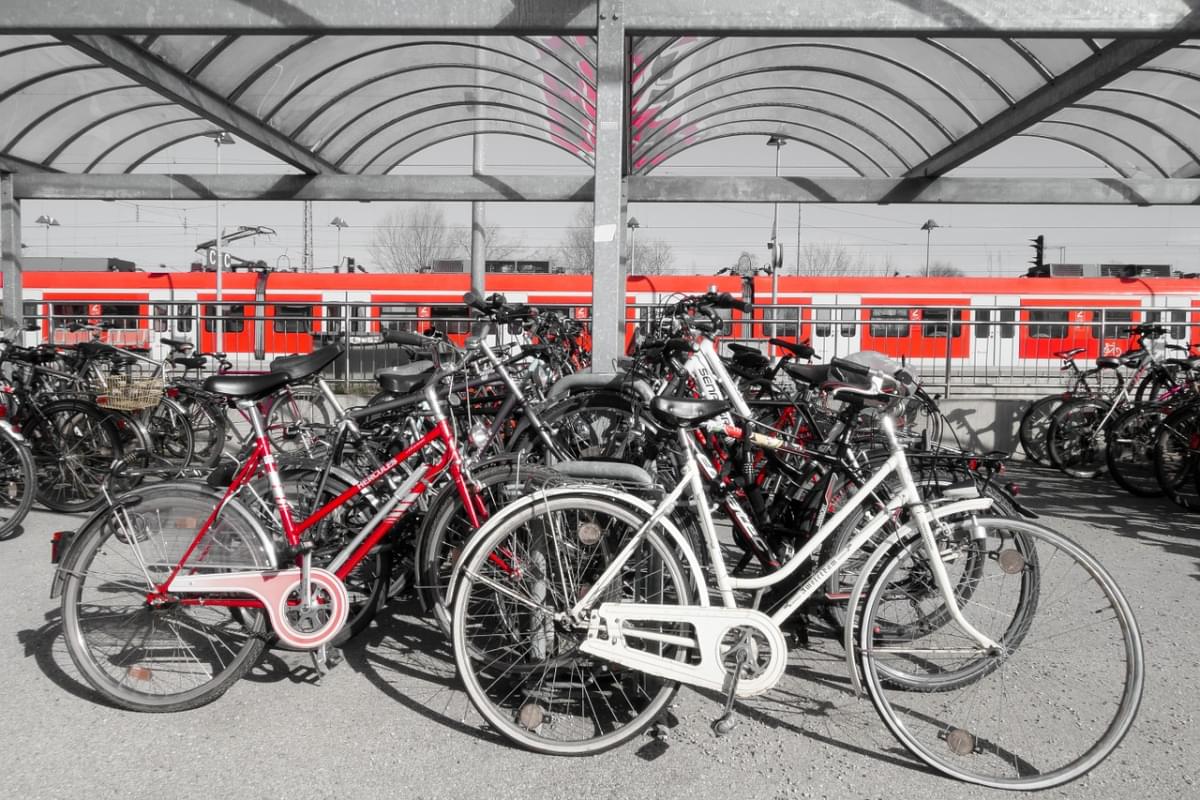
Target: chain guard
[(614, 624)]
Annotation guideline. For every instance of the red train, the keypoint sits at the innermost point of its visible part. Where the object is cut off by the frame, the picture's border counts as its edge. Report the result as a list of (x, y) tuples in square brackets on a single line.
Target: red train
[(980, 322)]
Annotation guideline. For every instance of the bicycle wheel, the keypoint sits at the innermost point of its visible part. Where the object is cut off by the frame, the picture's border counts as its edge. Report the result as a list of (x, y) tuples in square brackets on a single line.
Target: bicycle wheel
[(600, 425), (1176, 452), (74, 446), (1049, 705), (1035, 424), (521, 666), (18, 482), (168, 656), (446, 528), (299, 421), (208, 424), (1078, 437), (1130, 451)]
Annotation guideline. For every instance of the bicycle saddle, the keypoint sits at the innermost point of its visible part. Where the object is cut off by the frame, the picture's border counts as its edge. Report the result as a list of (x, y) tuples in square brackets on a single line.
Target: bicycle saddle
[(406, 378), (799, 350), (177, 344), (812, 374), (1108, 363), (682, 412), (300, 367), (247, 387)]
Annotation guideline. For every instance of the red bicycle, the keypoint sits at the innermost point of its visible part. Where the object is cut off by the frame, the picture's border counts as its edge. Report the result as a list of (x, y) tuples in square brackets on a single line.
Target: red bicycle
[(172, 593)]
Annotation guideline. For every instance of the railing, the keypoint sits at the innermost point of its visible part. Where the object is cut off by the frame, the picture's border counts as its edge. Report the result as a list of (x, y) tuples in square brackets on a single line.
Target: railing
[(1002, 351)]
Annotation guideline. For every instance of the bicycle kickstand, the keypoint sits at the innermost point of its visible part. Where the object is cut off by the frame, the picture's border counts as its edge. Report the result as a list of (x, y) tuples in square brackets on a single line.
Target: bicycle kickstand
[(325, 658), (724, 723)]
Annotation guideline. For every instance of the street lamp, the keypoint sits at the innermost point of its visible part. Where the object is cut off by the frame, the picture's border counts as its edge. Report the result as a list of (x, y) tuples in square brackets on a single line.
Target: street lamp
[(339, 223), (928, 228), (633, 225), (49, 222), (219, 138), (776, 141)]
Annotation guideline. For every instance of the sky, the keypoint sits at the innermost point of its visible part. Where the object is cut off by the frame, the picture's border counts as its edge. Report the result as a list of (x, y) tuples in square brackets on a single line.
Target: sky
[(978, 240)]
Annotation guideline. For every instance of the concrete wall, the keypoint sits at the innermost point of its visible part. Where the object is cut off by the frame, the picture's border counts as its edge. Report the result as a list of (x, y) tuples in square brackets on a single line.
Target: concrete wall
[(983, 424)]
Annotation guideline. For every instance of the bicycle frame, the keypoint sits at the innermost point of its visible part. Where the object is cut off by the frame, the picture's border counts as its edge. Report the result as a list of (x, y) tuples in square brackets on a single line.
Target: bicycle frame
[(909, 497), (388, 515)]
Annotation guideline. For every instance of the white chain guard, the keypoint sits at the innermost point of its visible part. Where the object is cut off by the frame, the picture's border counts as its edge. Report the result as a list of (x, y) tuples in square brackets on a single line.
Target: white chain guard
[(273, 589), (710, 624)]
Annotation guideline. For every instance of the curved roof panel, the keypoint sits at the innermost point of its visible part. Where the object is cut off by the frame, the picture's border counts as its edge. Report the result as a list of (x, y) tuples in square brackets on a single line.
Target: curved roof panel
[(882, 106)]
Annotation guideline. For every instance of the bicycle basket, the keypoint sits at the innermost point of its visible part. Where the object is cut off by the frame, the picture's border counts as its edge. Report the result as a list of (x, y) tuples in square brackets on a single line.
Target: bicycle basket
[(126, 393)]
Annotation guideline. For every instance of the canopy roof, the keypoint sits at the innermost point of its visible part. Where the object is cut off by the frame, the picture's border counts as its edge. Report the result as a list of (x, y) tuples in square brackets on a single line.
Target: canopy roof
[(884, 106)]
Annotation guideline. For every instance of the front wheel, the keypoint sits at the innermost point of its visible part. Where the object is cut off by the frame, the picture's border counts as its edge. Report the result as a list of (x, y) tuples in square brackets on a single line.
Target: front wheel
[(517, 651), (1078, 437), (18, 483), (1046, 706)]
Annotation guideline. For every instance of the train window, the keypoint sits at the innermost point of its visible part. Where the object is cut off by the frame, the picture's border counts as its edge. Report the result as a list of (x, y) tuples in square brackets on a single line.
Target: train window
[(785, 321), (334, 317), (120, 315), (1111, 323), (1153, 317), (292, 318), (823, 315), (1007, 317), (183, 320), (358, 319), (891, 323), (849, 318), (68, 314), (983, 316), (1178, 326), (235, 318), (30, 312), (1047, 323), (937, 323), (398, 318), (161, 313), (450, 319)]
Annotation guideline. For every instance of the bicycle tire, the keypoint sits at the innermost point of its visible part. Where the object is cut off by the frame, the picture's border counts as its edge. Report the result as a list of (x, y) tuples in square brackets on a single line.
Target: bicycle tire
[(1077, 437), (299, 421), (563, 702), (1079, 664), (1035, 424), (18, 483), (167, 657), (1130, 451), (1176, 454), (74, 445)]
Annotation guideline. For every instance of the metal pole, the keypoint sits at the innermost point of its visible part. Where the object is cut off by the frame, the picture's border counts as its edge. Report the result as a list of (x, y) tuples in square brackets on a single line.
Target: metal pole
[(633, 251), (10, 251), (478, 210), (928, 234), (774, 260), (220, 321)]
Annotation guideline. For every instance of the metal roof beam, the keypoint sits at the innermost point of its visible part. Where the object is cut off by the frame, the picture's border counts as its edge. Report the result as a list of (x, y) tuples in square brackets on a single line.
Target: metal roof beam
[(1077, 82), (135, 63), (640, 189), (378, 17)]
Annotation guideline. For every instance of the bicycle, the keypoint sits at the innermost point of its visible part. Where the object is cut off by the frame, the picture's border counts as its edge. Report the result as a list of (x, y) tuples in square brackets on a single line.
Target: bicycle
[(579, 610), (172, 593)]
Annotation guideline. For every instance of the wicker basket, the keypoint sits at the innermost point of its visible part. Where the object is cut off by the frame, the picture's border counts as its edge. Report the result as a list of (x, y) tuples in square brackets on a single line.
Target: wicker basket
[(131, 394)]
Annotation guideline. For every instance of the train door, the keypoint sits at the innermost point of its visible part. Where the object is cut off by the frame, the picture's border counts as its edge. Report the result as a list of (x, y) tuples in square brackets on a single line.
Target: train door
[(835, 327), (994, 332)]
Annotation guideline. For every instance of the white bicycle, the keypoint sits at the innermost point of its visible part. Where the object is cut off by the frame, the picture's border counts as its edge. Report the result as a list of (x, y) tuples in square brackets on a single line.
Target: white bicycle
[(997, 651)]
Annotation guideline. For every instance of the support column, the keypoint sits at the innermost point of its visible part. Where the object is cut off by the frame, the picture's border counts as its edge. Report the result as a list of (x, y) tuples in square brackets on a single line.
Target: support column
[(10, 252), (608, 285), (478, 222)]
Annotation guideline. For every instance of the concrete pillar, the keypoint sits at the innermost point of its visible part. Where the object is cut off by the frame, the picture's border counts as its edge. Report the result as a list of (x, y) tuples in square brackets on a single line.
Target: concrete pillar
[(10, 252)]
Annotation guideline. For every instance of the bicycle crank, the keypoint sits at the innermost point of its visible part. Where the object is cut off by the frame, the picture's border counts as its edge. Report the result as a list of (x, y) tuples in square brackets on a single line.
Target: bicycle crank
[(647, 637)]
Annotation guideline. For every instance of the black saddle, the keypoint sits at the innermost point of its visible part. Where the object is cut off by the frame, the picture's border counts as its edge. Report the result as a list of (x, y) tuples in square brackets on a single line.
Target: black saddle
[(683, 412), (300, 367), (406, 378), (247, 387), (812, 374)]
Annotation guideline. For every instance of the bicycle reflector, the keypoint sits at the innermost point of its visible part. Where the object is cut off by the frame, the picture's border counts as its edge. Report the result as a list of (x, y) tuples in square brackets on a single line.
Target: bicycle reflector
[(59, 540)]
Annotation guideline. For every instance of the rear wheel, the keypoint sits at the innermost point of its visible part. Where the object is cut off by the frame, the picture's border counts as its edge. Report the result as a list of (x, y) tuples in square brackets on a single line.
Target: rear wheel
[(518, 653), (167, 656), (1176, 452), (1035, 424), (1077, 438), (18, 483), (74, 447), (299, 422), (1130, 451)]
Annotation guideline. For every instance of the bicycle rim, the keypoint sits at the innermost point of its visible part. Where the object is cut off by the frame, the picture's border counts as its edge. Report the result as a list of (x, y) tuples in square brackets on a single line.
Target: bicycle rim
[(1051, 706)]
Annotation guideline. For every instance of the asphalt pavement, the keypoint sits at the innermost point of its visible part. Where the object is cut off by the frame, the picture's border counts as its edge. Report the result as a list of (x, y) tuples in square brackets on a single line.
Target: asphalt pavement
[(391, 720)]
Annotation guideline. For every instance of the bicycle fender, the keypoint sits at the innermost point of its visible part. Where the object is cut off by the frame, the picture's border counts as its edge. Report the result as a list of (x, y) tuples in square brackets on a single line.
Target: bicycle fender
[(904, 535), (8, 428), (608, 381), (69, 554), (605, 492)]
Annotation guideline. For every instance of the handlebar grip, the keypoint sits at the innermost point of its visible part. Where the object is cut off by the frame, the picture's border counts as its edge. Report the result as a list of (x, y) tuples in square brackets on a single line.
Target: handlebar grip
[(473, 300), (409, 339)]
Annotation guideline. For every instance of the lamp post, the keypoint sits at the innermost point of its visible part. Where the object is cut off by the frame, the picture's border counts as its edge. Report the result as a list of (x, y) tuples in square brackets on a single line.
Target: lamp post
[(219, 138), (48, 222), (928, 228), (633, 225), (776, 141), (339, 223)]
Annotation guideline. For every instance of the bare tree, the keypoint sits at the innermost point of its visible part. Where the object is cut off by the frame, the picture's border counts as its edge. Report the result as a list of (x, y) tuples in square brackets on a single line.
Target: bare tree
[(830, 259), (412, 239), (495, 246), (575, 252), (654, 257), (944, 269)]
